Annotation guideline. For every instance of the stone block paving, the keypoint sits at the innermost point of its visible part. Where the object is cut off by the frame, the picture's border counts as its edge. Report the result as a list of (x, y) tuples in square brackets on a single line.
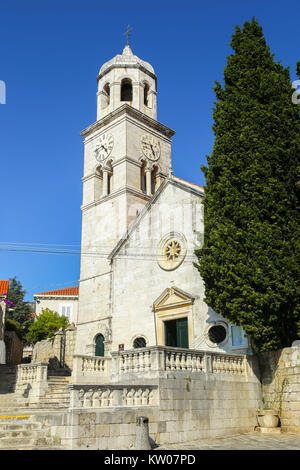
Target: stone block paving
[(255, 441)]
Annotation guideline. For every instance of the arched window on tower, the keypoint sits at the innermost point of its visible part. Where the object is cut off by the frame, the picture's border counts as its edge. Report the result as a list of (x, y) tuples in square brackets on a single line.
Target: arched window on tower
[(143, 178), (154, 174), (106, 90), (98, 183), (110, 177), (146, 95), (126, 90)]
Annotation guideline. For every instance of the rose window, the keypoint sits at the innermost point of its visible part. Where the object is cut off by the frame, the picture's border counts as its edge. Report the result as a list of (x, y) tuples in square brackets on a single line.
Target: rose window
[(173, 250)]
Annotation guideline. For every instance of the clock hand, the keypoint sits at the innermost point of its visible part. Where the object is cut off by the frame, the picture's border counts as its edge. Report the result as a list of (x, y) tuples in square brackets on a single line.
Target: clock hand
[(152, 149)]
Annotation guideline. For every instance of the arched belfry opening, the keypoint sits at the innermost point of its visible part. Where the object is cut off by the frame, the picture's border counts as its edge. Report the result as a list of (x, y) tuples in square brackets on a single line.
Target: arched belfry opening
[(106, 90), (126, 90), (110, 177), (98, 183), (146, 95), (154, 178), (143, 177)]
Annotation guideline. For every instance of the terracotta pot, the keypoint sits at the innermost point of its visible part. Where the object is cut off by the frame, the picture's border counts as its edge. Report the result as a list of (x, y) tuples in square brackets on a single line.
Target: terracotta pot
[(268, 418)]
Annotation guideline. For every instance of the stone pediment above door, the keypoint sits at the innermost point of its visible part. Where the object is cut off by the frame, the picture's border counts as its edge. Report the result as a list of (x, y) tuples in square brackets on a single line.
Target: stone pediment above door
[(172, 297)]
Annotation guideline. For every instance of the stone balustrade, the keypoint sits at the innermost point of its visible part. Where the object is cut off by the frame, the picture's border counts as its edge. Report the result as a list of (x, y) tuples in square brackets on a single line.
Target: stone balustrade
[(228, 364), (90, 369), (154, 360), (94, 396), (32, 377)]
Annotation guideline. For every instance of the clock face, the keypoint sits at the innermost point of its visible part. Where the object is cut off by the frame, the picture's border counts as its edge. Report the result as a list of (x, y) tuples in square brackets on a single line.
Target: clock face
[(150, 147), (104, 147)]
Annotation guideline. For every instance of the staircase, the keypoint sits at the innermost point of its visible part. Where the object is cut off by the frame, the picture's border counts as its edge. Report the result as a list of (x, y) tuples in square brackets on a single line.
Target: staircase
[(26, 432), (25, 425), (57, 395)]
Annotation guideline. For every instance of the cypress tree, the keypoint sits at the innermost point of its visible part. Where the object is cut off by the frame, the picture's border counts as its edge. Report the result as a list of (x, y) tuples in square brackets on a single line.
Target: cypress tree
[(250, 258)]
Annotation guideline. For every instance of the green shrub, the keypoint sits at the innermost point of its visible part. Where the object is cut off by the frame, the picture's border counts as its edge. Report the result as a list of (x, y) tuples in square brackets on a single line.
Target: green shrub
[(46, 325)]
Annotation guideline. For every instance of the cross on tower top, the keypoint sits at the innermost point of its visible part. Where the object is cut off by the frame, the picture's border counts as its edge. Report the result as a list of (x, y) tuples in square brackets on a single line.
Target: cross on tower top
[(128, 33)]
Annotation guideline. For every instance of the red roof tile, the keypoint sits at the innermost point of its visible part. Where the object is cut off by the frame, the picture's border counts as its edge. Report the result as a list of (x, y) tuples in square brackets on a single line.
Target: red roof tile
[(189, 182), (67, 291), (4, 287)]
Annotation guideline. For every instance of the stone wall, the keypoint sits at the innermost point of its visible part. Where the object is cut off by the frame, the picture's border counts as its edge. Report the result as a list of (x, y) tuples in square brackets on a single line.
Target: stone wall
[(14, 348), (188, 406), (57, 351), (280, 377)]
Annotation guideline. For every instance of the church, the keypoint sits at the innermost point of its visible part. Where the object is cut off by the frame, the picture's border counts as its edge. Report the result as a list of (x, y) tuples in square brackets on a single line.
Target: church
[(140, 227)]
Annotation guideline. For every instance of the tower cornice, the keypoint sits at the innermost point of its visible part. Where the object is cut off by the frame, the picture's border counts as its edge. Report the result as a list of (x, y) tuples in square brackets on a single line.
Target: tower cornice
[(125, 66), (129, 110)]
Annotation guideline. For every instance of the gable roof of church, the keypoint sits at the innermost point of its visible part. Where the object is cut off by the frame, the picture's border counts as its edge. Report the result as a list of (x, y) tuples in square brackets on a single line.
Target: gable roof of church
[(188, 182), (174, 180)]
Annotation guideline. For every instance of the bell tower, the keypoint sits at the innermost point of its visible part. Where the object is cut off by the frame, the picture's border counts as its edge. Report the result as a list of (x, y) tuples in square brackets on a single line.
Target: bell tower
[(126, 79), (127, 156)]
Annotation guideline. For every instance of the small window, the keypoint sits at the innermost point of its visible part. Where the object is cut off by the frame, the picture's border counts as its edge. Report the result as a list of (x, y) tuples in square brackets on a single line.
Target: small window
[(66, 310), (126, 90), (217, 334), (139, 343)]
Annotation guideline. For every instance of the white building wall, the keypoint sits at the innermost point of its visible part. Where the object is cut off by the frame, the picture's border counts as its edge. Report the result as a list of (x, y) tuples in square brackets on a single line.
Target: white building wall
[(56, 304), (138, 279)]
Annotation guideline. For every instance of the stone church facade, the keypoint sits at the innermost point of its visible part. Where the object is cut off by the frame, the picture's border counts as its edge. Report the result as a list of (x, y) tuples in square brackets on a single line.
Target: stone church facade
[(140, 227), (142, 321)]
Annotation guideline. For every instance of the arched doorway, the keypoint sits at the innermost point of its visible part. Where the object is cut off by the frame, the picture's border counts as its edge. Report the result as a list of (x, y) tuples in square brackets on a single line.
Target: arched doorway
[(99, 345)]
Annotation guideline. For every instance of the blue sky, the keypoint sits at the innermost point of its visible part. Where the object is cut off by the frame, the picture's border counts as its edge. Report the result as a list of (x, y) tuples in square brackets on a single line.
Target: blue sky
[(50, 55)]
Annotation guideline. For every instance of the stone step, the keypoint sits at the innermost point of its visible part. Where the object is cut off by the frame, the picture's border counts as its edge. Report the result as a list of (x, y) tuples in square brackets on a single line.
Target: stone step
[(58, 387), (20, 442), (65, 380), (52, 401), (19, 434), (31, 447), (11, 427), (51, 406), (29, 432), (54, 392), (59, 373)]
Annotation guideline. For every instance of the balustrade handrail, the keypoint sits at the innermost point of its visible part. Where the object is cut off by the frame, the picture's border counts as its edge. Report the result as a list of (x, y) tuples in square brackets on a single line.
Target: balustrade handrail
[(33, 364), (87, 356), (175, 349), (179, 359)]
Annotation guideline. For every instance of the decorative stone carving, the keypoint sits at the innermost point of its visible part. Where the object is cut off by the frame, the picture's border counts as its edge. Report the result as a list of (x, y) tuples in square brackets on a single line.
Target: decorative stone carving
[(172, 251)]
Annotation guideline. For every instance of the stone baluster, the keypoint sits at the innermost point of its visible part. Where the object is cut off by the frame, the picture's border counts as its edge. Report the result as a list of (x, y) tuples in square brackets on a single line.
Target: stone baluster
[(172, 361), (105, 398), (189, 365), (138, 397), (130, 397), (178, 357), (168, 365), (145, 397), (96, 402)]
